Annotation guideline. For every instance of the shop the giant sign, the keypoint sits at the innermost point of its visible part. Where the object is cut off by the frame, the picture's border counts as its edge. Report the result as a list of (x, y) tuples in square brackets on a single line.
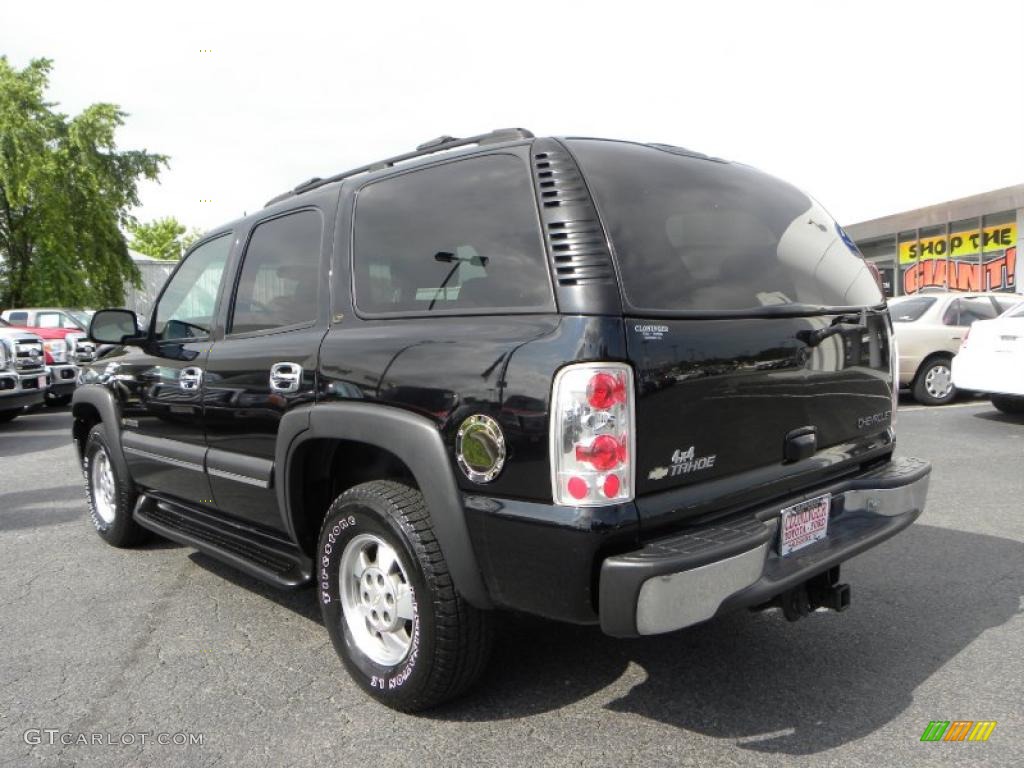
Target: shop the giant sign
[(940, 261)]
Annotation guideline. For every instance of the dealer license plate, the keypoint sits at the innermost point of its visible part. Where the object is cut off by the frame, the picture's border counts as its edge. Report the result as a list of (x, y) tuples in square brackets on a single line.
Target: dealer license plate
[(803, 524), (42, 381)]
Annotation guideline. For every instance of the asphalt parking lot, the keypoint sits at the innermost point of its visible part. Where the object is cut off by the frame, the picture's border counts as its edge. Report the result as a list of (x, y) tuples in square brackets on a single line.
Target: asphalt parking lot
[(162, 640)]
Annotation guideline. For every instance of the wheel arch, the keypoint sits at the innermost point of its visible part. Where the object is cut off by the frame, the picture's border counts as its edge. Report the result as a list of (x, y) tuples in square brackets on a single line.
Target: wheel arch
[(929, 359), (93, 404), (402, 441)]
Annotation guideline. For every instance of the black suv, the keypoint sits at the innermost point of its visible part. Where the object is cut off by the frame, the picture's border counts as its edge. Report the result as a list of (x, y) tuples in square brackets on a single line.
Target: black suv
[(597, 381)]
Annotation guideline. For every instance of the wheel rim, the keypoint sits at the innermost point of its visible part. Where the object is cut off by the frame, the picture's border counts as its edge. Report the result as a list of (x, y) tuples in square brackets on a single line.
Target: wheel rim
[(938, 381), (377, 599), (104, 488)]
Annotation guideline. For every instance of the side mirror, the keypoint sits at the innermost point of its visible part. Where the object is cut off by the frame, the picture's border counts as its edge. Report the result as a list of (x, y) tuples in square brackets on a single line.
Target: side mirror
[(114, 326)]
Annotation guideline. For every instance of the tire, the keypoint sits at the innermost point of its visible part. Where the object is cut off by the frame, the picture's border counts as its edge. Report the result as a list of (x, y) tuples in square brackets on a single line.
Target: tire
[(111, 496), (10, 415), (933, 384), (437, 644), (58, 401), (1008, 404)]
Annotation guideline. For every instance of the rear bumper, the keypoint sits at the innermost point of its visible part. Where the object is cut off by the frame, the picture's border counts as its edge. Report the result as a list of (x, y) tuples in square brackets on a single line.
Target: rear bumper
[(988, 372), (690, 577)]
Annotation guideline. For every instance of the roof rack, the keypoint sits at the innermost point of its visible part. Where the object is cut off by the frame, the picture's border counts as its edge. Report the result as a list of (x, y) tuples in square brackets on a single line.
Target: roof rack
[(440, 144)]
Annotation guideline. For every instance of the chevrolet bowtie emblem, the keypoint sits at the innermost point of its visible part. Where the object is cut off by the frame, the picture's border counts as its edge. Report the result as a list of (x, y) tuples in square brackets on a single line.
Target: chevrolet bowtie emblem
[(657, 473)]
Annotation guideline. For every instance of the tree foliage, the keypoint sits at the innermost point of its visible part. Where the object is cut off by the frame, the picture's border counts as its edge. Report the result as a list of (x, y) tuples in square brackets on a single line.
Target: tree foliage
[(65, 195), (164, 238)]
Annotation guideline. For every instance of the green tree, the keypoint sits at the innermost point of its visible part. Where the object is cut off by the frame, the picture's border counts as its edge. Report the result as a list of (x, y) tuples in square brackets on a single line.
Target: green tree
[(65, 196), (164, 238)]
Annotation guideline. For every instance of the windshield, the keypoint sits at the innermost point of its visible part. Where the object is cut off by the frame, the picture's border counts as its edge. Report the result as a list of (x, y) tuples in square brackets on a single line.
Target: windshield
[(691, 233), (82, 317), (910, 309)]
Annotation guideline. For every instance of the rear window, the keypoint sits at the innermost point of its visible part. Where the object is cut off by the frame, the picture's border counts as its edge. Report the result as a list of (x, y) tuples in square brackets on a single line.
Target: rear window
[(909, 310), (697, 234)]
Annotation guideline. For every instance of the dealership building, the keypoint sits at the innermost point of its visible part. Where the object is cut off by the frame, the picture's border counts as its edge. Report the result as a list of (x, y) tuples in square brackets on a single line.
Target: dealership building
[(970, 244)]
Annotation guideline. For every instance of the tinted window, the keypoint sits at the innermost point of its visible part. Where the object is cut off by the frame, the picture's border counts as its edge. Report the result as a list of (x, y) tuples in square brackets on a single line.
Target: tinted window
[(696, 234), (186, 307), (966, 311), (461, 236), (909, 310), (19, 318), (280, 276)]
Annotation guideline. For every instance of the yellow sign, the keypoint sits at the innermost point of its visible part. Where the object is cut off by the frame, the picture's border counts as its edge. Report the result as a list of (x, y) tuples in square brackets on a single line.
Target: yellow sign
[(959, 244)]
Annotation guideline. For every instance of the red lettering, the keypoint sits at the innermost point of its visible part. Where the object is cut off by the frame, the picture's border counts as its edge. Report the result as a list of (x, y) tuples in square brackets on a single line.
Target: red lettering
[(912, 279), (968, 276), (994, 273)]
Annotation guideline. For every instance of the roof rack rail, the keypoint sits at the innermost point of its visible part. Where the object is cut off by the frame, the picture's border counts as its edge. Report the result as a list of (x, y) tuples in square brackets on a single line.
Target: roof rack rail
[(440, 144)]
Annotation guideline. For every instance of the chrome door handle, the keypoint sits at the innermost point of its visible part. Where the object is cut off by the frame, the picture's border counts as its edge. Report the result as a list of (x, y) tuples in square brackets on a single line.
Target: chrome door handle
[(190, 378), (285, 377)]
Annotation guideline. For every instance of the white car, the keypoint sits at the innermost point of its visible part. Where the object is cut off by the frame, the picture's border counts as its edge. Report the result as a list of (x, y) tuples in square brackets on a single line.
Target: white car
[(991, 360)]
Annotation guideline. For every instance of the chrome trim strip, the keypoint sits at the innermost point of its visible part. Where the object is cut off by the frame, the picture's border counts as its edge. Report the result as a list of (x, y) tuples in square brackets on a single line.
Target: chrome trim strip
[(166, 459), (238, 478), (677, 600)]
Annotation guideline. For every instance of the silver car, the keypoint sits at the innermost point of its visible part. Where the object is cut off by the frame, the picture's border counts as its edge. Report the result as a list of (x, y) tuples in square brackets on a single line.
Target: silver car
[(929, 327)]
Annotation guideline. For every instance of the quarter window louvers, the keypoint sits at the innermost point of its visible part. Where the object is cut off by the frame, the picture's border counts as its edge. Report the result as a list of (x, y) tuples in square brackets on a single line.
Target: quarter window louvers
[(574, 236)]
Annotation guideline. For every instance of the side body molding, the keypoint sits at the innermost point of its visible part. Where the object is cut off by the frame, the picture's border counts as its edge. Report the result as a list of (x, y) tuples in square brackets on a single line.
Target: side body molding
[(413, 439), (102, 399)]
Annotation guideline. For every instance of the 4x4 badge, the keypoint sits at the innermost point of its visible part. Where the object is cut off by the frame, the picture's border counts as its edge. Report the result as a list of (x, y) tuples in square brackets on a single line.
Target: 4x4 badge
[(683, 463)]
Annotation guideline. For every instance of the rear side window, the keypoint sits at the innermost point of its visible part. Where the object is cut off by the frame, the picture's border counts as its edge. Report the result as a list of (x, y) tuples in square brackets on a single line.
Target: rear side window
[(909, 310), (18, 318), (696, 234), (462, 237), (279, 282), (967, 311)]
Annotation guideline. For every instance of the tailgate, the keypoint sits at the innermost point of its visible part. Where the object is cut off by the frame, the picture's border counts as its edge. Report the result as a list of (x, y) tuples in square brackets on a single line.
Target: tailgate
[(722, 398)]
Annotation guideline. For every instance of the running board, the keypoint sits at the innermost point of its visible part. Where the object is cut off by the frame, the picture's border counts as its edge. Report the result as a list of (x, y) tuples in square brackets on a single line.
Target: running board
[(264, 557)]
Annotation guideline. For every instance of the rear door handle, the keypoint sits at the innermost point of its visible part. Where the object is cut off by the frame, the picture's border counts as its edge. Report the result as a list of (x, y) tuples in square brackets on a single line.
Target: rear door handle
[(285, 377), (190, 378)]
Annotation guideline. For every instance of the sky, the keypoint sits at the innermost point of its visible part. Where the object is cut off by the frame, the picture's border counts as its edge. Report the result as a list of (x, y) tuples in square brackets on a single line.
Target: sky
[(871, 107)]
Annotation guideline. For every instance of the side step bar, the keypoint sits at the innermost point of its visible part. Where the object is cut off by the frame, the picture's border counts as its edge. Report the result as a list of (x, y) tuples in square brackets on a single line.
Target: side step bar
[(262, 556)]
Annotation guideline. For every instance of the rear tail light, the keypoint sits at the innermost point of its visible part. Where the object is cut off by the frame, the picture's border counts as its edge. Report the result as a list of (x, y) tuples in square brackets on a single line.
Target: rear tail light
[(593, 440)]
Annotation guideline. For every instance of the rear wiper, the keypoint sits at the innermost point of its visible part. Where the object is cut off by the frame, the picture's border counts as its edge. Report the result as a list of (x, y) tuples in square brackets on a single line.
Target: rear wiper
[(840, 324)]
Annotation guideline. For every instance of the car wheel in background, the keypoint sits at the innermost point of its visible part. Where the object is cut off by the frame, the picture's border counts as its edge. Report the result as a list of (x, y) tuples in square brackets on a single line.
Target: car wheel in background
[(934, 382), (1008, 404), (11, 415)]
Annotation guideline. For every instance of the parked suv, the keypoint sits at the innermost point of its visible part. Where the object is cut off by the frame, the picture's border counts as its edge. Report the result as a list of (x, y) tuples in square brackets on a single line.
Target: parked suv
[(601, 382), (929, 328), (23, 379)]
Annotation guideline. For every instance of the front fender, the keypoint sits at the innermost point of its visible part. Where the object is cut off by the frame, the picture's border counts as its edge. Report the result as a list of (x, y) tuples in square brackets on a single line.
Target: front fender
[(101, 399)]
